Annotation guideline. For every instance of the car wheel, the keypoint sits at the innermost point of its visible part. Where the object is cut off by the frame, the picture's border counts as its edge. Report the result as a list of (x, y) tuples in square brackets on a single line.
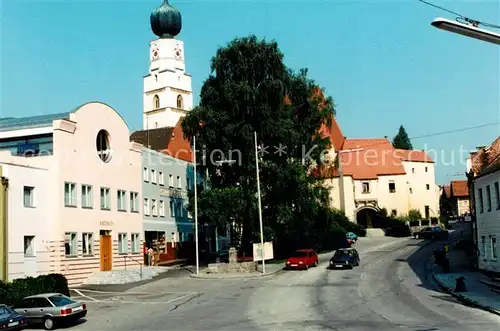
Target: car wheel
[(48, 323), (416, 236), (316, 263)]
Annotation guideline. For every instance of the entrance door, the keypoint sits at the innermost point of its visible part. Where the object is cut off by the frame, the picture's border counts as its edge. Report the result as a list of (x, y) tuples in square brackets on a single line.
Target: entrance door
[(106, 252)]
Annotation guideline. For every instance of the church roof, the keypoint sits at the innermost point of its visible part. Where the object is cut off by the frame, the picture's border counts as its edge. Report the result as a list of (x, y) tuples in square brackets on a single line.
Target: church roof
[(166, 21), (156, 139), (32, 122)]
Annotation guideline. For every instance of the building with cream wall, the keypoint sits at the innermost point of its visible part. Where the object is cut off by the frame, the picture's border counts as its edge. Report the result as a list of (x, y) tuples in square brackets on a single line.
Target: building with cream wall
[(87, 203), (377, 176)]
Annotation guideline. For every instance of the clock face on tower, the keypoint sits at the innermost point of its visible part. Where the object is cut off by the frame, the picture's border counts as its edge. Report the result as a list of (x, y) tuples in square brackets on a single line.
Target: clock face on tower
[(178, 53), (155, 53)]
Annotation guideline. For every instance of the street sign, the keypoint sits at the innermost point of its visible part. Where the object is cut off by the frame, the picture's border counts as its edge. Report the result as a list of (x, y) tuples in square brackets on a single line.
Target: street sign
[(268, 251)]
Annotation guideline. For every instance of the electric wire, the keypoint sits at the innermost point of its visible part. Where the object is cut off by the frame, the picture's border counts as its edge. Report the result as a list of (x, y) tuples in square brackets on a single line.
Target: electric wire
[(468, 128), (461, 18)]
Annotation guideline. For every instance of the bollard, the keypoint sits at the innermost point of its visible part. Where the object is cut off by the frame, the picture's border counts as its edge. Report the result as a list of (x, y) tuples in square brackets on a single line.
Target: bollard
[(460, 284)]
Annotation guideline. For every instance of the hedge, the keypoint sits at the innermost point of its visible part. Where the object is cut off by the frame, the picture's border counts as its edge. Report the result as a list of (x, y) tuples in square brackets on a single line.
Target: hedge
[(11, 293)]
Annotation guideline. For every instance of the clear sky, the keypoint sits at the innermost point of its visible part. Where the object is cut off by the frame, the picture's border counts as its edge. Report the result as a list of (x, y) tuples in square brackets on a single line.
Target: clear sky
[(381, 61)]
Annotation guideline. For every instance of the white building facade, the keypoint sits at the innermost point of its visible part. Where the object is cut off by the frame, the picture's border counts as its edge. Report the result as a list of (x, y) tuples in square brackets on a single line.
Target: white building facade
[(74, 192)]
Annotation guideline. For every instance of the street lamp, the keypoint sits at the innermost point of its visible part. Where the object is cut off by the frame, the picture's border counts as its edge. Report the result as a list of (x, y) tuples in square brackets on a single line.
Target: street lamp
[(260, 205), (196, 208), (469, 30)]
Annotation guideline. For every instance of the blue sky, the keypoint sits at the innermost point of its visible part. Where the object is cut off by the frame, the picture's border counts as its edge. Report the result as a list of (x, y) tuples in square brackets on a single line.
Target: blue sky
[(381, 61)]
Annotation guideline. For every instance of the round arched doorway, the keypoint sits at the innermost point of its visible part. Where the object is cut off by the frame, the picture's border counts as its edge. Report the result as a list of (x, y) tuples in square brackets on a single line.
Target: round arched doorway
[(366, 217)]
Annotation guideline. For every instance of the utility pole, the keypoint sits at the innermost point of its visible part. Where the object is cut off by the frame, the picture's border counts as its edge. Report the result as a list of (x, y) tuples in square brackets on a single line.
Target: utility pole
[(260, 206), (196, 208)]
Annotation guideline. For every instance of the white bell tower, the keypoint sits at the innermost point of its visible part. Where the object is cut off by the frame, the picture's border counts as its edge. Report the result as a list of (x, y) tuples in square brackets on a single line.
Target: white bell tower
[(168, 93)]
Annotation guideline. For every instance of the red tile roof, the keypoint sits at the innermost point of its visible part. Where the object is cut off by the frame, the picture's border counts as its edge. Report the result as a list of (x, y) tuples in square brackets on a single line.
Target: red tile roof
[(178, 146), (459, 188), (333, 132), (414, 156), (377, 157)]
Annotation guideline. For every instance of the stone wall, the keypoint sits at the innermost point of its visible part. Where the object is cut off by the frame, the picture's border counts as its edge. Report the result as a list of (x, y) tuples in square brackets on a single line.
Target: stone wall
[(242, 267)]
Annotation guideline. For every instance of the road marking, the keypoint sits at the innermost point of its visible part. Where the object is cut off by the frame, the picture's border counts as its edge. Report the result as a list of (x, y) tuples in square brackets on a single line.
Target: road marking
[(128, 293), (85, 296)]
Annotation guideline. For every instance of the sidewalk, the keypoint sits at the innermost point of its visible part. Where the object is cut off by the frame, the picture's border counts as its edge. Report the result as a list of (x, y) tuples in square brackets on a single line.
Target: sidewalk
[(271, 269), (478, 294)]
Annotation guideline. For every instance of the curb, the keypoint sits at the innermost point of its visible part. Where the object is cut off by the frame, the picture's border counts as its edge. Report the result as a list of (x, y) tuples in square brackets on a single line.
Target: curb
[(243, 276), (459, 296)]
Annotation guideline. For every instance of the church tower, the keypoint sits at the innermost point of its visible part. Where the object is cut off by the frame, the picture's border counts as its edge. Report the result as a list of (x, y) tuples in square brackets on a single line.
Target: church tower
[(168, 93)]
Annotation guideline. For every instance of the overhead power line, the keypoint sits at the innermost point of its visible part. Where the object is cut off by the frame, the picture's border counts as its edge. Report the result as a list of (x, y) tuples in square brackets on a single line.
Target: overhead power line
[(468, 128), (461, 18)]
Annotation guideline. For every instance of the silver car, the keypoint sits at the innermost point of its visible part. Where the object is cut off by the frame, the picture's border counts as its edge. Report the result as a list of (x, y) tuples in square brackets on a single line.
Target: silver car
[(51, 309)]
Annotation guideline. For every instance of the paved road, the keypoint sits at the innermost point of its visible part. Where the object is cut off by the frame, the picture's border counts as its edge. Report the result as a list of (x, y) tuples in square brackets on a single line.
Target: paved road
[(389, 291)]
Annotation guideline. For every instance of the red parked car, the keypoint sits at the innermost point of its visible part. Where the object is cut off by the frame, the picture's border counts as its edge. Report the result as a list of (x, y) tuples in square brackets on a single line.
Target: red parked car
[(302, 259)]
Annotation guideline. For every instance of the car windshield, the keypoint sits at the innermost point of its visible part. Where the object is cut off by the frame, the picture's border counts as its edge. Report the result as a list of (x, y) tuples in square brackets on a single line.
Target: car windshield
[(60, 300), (300, 254), (341, 253), (5, 311)]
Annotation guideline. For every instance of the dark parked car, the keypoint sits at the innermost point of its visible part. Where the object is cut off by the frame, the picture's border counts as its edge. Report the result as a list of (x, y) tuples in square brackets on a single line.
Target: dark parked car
[(432, 232), (50, 309), (10, 319), (345, 258)]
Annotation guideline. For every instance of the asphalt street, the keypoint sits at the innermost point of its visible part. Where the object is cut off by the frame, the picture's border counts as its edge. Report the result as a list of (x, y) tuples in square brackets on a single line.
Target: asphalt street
[(390, 290)]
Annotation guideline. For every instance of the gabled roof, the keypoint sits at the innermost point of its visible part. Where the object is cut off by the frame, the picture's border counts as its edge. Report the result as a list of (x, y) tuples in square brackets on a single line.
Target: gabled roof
[(32, 122), (459, 189), (178, 146), (494, 166), (414, 156), (156, 139)]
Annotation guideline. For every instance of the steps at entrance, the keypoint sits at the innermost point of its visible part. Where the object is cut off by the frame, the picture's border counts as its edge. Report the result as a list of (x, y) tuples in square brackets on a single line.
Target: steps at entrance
[(371, 232), (131, 275)]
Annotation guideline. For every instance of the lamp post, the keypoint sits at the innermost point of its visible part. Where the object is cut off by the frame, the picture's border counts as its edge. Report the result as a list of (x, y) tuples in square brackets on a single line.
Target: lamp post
[(470, 29), (196, 208), (259, 204)]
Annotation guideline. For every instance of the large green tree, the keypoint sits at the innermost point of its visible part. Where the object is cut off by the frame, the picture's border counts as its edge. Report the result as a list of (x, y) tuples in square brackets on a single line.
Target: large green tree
[(251, 90), (401, 140)]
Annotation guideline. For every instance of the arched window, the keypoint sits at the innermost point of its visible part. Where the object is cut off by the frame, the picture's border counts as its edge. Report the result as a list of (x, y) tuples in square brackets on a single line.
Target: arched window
[(180, 103), (156, 102)]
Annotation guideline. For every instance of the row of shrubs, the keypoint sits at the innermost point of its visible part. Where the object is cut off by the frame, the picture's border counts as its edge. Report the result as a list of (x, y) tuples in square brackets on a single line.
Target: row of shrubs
[(11, 293)]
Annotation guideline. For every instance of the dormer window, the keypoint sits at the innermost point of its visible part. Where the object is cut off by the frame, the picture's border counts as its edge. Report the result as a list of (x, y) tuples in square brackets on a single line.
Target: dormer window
[(156, 102), (180, 102)]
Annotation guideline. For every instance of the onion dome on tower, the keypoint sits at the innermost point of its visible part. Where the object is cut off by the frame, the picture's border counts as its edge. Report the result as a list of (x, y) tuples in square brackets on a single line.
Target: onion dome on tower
[(166, 21)]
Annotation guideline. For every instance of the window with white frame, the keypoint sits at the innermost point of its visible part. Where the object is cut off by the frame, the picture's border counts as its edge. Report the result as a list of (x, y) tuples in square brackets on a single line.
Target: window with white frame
[(426, 169), (88, 243), (86, 196), (70, 244), (105, 199), (122, 243), (145, 174), (153, 176), (70, 194), (392, 187), (134, 202), (365, 189), (121, 200), (179, 182), (172, 211), (488, 198), (29, 196), (135, 243), (161, 179), (483, 247), (29, 246), (171, 180), (481, 202), (161, 207), (497, 194), (154, 207), (147, 210), (493, 243), (427, 187)]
